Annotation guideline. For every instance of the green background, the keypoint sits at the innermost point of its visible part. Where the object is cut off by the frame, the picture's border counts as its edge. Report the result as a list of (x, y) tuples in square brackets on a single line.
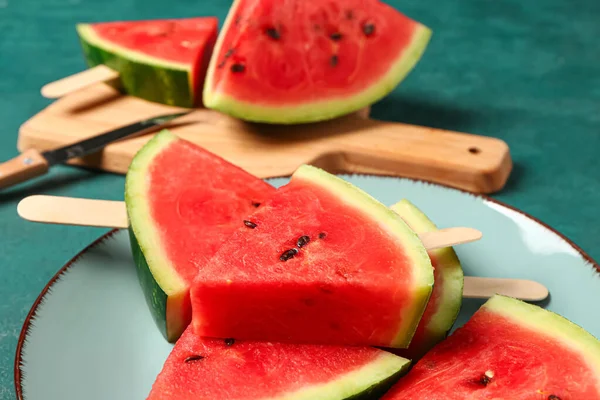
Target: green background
[(526, 72)]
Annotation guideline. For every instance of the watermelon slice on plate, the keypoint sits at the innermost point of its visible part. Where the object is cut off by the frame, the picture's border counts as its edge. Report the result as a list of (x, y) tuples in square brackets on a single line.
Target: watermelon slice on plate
[(307, 60), (163, 61), (446, 299), (182, 202), (320, 262), (508, 350), (210, 369)]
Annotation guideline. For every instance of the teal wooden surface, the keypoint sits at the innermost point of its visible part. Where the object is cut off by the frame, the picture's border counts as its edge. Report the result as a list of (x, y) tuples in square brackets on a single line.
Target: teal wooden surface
[(522, 71)]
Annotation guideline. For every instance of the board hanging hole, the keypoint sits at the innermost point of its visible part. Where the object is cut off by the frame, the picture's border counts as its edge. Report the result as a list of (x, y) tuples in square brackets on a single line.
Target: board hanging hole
[(474, 150)]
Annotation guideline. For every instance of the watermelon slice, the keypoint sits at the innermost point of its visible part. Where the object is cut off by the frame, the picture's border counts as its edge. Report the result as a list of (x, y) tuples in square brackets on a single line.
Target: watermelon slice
[(307, 60), (508, 350), (163, 61), (321, 262), (182, 202), (446, 298), (215, 369)]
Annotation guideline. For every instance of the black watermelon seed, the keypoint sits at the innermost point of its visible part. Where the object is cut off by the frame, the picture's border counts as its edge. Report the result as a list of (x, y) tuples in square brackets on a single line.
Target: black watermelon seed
[(229, 342), (486, 378), (368, 29), (286, 255), (249, 224), (322, 235), (221, 64), (334, 60), (553, 397), (237, 68), (273, 33), (335, 36), (194, 358), (302, 241), (255, 204)]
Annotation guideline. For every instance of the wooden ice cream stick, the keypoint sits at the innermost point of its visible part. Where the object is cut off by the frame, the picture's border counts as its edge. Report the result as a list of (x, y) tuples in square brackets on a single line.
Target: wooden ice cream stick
[(72, 83), (112, 214)]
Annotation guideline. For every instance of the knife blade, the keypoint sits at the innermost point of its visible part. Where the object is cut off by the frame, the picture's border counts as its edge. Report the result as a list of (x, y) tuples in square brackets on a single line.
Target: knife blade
[(32, 163)]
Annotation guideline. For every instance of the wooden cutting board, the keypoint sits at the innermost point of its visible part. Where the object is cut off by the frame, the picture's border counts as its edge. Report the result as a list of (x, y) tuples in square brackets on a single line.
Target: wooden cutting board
[(352, 144)]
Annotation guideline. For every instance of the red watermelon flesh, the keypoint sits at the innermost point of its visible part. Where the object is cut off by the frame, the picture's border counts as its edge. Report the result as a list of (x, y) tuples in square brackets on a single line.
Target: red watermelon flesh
[(196, 213), (166, 45), (182, 202), (508, 350), (320, 262), (305, 60), (213, 369), (176, 40)]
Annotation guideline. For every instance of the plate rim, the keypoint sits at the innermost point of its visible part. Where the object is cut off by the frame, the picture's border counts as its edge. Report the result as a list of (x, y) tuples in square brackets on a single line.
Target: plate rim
[(18, 376)]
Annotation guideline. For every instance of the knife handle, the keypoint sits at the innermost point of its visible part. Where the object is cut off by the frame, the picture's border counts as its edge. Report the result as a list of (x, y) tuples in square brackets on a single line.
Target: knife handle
[(26, 166)]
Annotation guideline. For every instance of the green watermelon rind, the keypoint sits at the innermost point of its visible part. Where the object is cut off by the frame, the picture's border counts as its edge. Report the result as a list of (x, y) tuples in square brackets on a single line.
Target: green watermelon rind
[(453, 277), (156, 273), (313, 111), (390, 221), (156, 298), (141, 75), (367, 382), (547, 323)]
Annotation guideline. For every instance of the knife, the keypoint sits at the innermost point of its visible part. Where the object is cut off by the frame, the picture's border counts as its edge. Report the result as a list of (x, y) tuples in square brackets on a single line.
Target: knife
[(32, 163)]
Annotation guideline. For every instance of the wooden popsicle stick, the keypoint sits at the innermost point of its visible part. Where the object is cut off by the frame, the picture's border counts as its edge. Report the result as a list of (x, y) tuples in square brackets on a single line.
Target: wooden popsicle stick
[(69, 84), (449, 237), (112, 214), (74, 211), (480, 288)]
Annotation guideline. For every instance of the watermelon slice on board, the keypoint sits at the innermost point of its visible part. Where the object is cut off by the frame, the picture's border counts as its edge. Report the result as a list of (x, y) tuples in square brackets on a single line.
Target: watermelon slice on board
[(508, 350), (182, 202), (446, 299), (321, 262), (307, 60), (163, 61), (211, 369)]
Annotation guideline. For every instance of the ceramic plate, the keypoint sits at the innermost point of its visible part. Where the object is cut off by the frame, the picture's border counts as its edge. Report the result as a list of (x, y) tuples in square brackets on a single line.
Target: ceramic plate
[(90, 336)]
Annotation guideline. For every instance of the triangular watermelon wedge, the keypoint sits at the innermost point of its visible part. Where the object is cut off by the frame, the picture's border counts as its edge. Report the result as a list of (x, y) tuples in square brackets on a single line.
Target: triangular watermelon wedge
[(321, 262), (182, 202), (300, 61), (216, 369), (163, 60), (508, 350)]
